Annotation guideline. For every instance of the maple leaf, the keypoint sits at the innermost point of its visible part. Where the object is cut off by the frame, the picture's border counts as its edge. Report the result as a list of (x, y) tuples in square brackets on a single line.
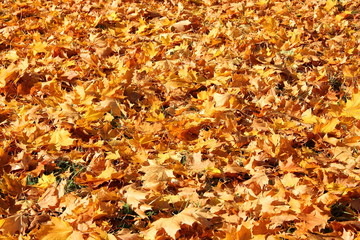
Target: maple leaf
[(8, 74), (156, 174), (10, 185), (135, 197), (313, 219), (352, 107), (57, 229), (14, 224), (49, 199), (46, 181), (172, 225), (61, 138), (108, 174), (237, 107), (241, 232)]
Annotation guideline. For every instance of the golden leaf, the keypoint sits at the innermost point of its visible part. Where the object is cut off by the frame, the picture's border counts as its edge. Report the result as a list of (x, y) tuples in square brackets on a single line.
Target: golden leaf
[(56, 230), (330, 4), (329, 126), (93, 115), (10, 185), (39, 47), (46, 181), (8, 74), (14, 224), (173, 224), (308, 118), (61, 138), (352, 107)]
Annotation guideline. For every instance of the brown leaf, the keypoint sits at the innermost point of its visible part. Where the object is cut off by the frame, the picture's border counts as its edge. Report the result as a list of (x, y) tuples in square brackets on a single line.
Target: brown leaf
[(11, 185), (15, 224)]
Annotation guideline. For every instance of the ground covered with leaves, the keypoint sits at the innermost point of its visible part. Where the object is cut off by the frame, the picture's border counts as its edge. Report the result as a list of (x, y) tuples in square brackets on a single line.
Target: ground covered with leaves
[(179, 119)]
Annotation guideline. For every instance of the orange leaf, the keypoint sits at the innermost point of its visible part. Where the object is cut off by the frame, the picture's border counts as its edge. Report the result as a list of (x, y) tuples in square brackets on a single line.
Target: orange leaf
[(57, 230), (172, 225), (14, 224), (10, 185)]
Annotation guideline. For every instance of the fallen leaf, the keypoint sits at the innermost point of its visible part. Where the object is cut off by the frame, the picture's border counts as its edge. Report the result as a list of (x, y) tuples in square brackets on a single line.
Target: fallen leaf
[(56, 230), (172, 225), (61, 138)]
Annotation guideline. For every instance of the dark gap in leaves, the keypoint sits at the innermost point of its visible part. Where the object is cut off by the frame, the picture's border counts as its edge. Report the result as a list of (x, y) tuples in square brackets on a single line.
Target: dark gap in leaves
[(335, 83), (340, 7), (341, 211), (183, 160), (124, 219), (151, 213), (327, 229), (61, 166), (279, 88), (172, 189), (30, 180), (115, 123), (310, 144)]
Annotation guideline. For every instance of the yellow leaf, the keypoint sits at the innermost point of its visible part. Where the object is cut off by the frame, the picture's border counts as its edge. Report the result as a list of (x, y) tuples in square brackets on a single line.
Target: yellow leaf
[(61, 138), (93, 115), (107, 173), (352, 107), (150, 49), (11, 56), (108, 117), (8, 74), (46, 181), (336, 187), (263, 3), (112, 156), (329, 126), (290, 180), (39, 47), (57, 230), (214, 170), (308, 118), (330, 4), (343, 15)]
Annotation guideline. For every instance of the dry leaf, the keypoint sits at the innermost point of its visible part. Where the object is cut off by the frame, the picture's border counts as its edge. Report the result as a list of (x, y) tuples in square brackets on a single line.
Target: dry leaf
[(56, 230)]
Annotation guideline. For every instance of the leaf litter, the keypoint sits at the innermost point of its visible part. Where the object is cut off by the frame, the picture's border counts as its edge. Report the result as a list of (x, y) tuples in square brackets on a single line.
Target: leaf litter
[(199, 119)]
